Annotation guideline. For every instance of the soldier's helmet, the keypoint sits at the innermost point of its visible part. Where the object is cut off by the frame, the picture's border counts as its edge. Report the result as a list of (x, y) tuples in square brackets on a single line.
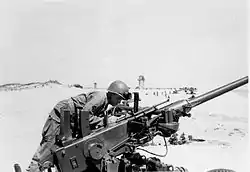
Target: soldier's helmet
[(120, 88)]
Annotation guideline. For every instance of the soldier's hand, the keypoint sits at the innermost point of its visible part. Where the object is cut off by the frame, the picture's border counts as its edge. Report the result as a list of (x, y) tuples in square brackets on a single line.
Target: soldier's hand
[(112, 119)]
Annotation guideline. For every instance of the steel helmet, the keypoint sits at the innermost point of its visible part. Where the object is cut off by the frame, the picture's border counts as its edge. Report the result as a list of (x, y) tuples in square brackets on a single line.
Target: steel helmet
[(120, 88)]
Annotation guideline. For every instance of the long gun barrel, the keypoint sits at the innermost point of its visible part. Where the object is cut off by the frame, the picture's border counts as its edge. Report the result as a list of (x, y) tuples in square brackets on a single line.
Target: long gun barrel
[(186, 105), (217, 92), (191, 102)]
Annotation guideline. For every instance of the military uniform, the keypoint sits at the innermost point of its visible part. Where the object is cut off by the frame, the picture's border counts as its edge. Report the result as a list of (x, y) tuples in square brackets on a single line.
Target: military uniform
[(94, 102)]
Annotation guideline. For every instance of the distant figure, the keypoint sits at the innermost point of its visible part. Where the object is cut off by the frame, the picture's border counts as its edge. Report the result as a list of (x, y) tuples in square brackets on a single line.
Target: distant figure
[(95, 85), (168, 97), (95, 103)]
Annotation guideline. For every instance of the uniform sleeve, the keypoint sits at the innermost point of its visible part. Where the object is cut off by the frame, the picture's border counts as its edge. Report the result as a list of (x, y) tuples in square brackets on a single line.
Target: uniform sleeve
[(93, 106)]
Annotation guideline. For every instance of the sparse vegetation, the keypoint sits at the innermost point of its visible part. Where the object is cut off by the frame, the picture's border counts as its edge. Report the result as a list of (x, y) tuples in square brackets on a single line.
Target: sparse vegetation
[(18, 86), (182, 139), (173, 140), (78, 86)]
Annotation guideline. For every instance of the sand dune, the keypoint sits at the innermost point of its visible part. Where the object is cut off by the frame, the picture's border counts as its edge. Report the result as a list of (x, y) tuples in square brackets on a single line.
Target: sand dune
[(222, 123)]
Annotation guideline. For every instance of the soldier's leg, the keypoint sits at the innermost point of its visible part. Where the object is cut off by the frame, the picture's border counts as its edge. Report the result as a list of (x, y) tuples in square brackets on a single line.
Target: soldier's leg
[(50, 130)]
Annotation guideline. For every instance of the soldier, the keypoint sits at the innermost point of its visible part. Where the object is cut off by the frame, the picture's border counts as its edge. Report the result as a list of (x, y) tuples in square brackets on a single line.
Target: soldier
[(95, 103)]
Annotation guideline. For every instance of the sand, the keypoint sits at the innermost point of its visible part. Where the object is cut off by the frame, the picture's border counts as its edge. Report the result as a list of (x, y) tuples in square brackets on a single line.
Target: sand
[(222, 123)]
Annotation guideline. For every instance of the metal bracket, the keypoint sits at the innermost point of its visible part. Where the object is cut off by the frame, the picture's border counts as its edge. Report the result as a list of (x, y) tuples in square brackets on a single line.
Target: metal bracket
[(65, 133), (84, 123)]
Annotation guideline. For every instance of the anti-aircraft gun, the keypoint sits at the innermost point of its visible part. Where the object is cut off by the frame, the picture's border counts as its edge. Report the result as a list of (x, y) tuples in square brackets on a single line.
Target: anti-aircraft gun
[(112, 148)]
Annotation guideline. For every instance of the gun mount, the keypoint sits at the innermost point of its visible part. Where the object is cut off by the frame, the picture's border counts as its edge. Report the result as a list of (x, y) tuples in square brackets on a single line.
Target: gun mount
[(99, 149)]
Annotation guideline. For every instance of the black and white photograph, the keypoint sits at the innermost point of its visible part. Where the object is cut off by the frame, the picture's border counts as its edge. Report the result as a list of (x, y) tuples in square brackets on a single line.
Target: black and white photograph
[(124, 86)]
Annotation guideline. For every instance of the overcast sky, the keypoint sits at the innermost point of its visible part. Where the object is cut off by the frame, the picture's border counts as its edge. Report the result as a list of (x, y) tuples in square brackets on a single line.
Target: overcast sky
[(170, 42)]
